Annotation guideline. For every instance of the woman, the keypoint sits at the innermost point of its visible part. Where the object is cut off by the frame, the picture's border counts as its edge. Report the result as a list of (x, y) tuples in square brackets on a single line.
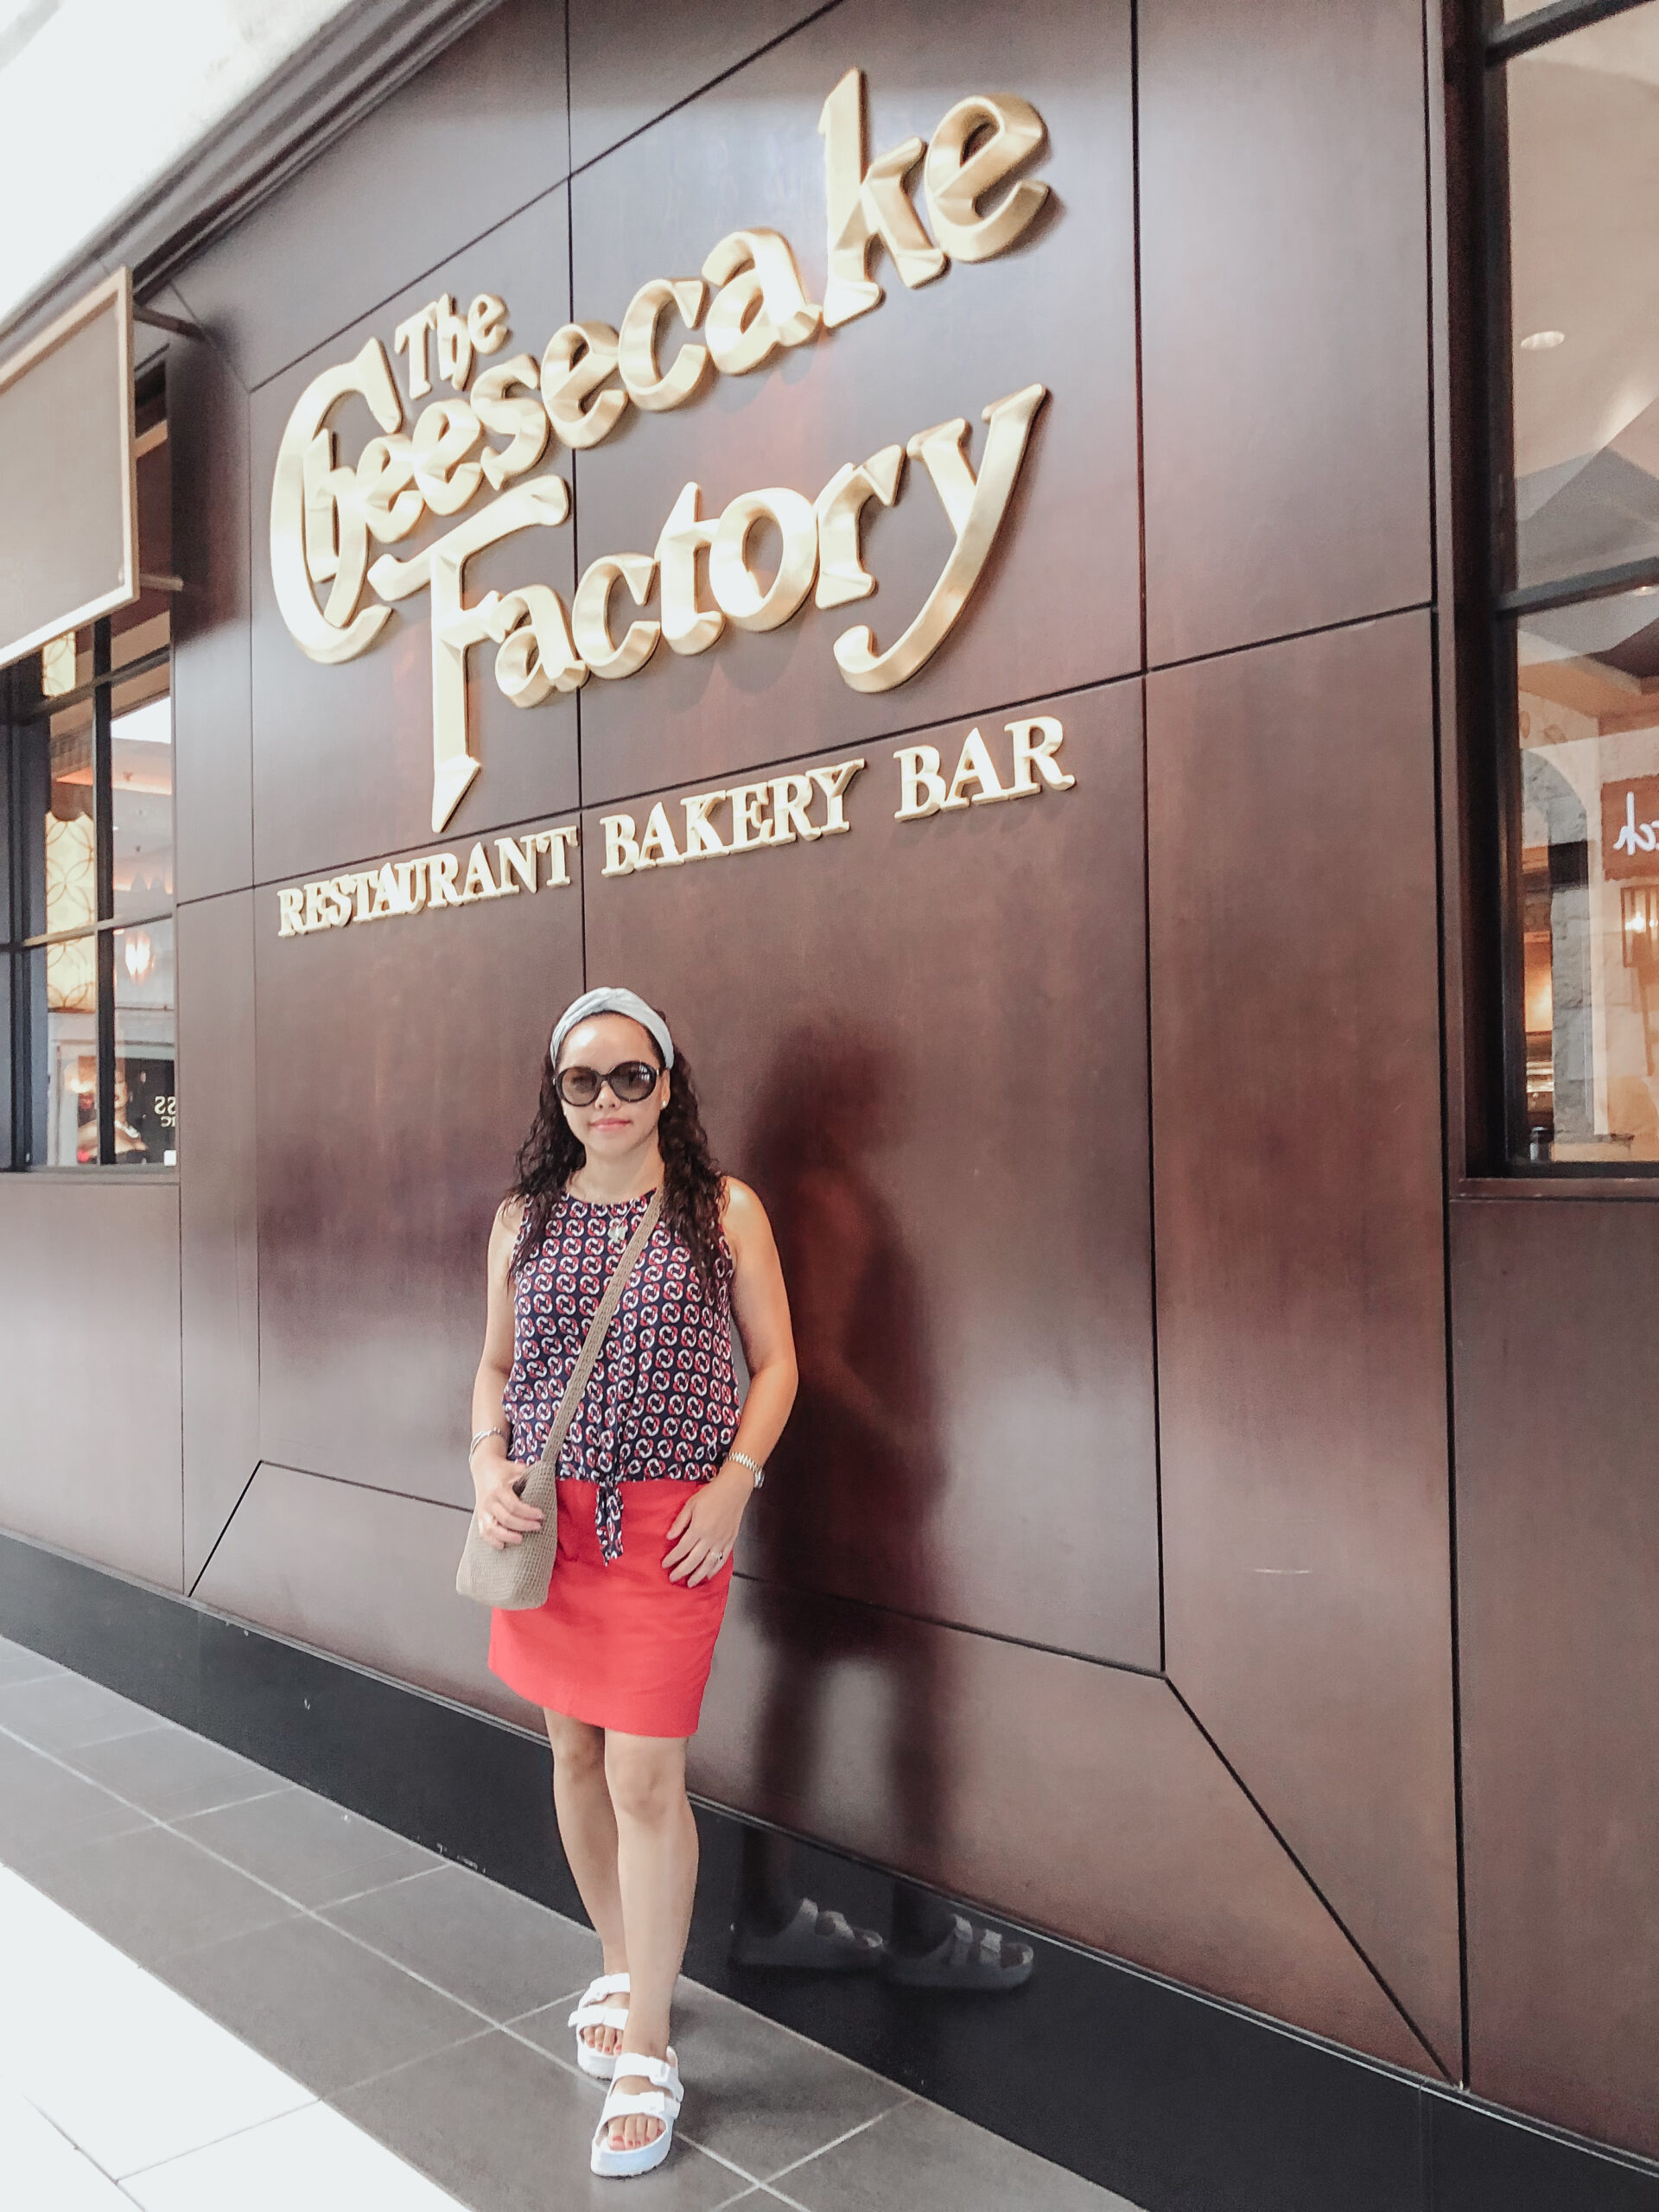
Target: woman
[(656, 1470)]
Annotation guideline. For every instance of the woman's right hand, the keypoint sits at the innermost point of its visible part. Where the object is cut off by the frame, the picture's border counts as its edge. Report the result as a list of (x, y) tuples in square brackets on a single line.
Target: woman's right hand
[(503, 1517)]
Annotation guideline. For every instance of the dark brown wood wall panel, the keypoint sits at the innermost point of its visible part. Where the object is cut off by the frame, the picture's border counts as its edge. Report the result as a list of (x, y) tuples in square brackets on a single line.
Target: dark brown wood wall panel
[(1284, 316), (1080, 1798), (219, 1241), (464, 144), (1558, 1563), (397, 1064), (1301, 1324), (924, 1043), (630, 60), (207, 436), (89, 1368), (342, 765), (1059, 602), (362, 1573)]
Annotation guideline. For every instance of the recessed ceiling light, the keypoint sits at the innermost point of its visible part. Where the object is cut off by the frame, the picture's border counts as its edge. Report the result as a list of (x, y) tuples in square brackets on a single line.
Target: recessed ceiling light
[(1543, 341)]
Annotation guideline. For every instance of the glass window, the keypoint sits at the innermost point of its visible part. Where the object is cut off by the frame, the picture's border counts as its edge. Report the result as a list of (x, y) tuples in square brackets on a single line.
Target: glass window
[(1590, 879), (141, 791), (90, 963), (1574, 97), (57, 1012), (146, 1026), (1583, 132), (64, 864)]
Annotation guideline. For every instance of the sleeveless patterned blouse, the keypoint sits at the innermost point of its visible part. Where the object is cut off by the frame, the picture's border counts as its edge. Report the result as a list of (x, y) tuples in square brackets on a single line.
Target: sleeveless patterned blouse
[(661, 1403)]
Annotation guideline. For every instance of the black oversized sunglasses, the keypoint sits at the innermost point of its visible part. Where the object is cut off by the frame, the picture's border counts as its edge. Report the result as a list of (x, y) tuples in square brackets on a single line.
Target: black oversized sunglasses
[(631, 1080)]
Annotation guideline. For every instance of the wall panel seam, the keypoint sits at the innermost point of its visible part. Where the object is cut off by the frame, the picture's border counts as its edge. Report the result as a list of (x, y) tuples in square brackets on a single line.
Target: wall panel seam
[(675, 106), (1278, 1836), (827, 1597)]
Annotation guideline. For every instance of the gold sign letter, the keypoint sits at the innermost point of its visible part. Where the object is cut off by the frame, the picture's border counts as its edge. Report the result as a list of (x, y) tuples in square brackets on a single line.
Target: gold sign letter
[(841, 574), (386, 497), (921, 787), (732, 581), (975, 508), (455, 345), (545, 500), (590, 612), (621, 847), (649, 386), (1035, 744), (445, 433), (760, 305), (579, 359), (370, 374), (524, 419), (975, 766), (835, 783), (689, 626), (486, 322), (411, 337), (956, 179), (867, 203)]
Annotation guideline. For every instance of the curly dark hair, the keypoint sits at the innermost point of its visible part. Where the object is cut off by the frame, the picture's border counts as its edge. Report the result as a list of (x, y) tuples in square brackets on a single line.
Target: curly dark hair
[(693, 1192)]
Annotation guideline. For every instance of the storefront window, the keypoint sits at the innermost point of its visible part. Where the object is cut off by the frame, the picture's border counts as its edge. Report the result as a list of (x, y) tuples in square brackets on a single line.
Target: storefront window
[(146, 1023), (1576, 530), (90, 805)]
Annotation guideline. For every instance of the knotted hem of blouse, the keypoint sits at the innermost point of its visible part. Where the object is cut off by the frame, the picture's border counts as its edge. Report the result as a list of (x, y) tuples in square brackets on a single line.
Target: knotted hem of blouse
[(607, 1517)]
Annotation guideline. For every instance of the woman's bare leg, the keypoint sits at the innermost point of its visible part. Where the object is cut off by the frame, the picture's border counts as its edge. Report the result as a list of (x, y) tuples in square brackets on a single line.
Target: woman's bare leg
[(657, 1866), (588, 1831)]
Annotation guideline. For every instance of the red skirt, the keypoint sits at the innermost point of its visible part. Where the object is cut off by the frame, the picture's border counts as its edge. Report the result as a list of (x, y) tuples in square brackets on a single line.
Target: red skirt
[(617, 1645)]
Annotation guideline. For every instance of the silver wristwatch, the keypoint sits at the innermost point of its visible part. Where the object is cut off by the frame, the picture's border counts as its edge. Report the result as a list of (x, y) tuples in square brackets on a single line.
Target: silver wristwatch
[(753, 1466)]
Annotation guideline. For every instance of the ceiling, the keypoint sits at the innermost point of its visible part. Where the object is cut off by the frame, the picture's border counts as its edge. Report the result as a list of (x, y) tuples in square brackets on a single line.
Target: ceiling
[(99, 99)]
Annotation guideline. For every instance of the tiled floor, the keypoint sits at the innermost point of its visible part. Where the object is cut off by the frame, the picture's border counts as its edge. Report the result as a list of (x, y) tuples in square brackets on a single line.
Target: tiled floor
[(217, 1989)]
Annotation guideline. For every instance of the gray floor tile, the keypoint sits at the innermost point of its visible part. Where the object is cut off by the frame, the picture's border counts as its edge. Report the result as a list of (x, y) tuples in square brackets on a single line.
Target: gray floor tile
[(44, 1807), (172, 1773), (318, 2005), (508, 2131), (152, 1893), (481, 1942), (19, 1664), (928, 2160), (315, 1851), (62, 1712), (754, 2093)]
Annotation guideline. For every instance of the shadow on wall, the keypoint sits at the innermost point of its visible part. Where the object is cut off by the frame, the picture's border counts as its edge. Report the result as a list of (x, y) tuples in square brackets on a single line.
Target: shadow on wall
[(860, 1477)]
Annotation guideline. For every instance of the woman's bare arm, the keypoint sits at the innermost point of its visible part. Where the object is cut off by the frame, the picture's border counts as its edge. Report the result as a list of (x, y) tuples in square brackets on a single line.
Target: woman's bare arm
[(494, 1475), (761, 1303)]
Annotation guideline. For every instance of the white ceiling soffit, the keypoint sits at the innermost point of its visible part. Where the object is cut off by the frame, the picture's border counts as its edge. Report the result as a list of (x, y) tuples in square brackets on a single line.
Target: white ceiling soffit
[(1584, 149), (99, 99)]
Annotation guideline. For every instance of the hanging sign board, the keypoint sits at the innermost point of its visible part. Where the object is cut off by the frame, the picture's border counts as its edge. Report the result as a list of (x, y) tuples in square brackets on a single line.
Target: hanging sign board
[(68, 490)]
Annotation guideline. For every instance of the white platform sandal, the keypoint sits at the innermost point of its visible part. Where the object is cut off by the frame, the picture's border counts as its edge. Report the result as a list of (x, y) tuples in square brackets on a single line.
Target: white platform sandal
[(661, 2101), (595, 2012)]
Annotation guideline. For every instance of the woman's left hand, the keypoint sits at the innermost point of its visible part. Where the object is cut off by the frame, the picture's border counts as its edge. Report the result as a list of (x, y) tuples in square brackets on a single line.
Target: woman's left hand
[(705, 1529)]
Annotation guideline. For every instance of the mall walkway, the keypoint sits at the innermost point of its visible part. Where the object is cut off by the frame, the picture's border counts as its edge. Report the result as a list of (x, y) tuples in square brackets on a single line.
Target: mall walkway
[(217, 1989)]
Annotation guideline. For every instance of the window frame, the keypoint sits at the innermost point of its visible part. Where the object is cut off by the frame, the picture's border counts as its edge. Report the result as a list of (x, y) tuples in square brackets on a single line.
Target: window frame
[(25, 706), (1497, 1125)]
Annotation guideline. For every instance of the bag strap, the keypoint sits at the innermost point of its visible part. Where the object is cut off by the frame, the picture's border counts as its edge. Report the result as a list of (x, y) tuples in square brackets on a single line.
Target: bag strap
[(597, 1329)]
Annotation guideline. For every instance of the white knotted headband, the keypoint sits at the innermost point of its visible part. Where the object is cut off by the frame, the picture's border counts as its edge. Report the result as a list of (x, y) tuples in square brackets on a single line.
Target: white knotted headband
[(608, 1000)]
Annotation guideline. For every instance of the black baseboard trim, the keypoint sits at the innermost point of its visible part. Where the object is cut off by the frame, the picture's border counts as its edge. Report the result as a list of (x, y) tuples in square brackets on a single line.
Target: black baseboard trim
[(1186, 2105)]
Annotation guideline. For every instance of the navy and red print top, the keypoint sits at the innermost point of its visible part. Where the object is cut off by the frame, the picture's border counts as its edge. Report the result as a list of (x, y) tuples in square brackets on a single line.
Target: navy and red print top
[(661, 1403)]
